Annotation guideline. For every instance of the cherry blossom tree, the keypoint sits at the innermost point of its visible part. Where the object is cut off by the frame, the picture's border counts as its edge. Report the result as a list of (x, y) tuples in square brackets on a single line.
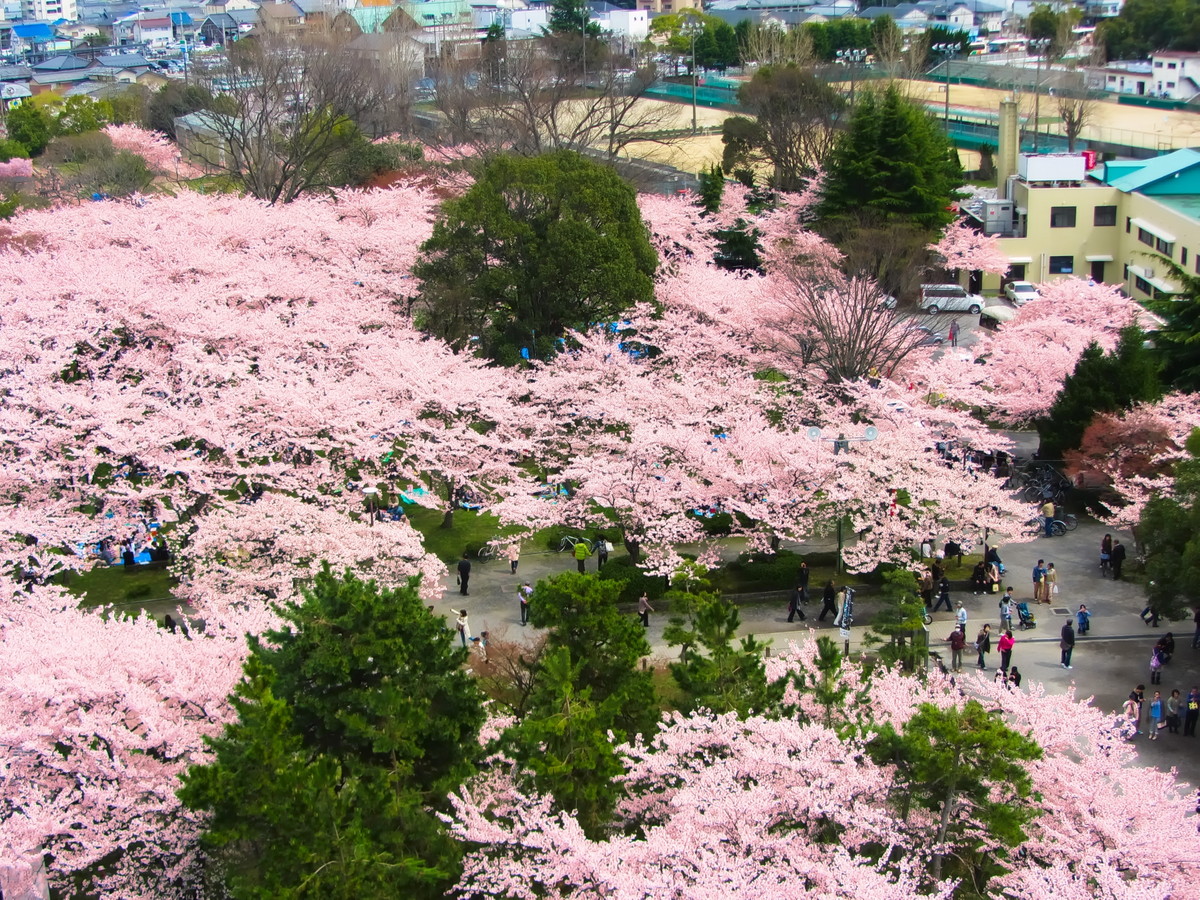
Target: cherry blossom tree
[(963, 247), (764, 806)]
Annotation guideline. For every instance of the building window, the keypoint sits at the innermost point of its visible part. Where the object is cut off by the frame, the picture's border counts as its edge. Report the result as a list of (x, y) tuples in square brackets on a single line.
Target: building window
[(1062, 217), (1183, 256), (1105, 215), (1142, 285), (1016, 272), (1145, 237), (1170, 65), (1128, 224), (1062, 265), (1166, 248)]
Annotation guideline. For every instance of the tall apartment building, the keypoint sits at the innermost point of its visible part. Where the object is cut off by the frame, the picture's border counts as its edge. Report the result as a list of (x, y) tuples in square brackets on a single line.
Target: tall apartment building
[(49, 10)]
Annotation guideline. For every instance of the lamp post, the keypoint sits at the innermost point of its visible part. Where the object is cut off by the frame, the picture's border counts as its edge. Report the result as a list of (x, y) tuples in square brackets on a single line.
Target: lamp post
[(693, 28), (852, 59), (583, 18), (841, 444), (948, 51)]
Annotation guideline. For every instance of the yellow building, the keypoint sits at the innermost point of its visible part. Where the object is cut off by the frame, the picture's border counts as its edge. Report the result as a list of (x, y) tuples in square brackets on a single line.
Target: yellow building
[(1117, 224)]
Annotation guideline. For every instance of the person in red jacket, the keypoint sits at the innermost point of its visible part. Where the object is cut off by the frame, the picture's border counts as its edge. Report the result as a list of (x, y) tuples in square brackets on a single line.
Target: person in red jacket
[(1005, 646)]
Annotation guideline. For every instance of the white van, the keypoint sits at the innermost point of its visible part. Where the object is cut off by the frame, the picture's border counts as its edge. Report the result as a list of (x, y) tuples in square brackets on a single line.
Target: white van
[(936, 298)]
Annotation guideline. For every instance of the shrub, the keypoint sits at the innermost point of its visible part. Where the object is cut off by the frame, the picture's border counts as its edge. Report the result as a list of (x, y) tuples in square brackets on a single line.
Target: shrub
[(80, 148), (12, 150), (636, 581)]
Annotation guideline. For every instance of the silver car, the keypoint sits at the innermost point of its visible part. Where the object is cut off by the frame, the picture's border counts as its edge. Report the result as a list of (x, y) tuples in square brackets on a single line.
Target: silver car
[(1020, 292), (936, 298)]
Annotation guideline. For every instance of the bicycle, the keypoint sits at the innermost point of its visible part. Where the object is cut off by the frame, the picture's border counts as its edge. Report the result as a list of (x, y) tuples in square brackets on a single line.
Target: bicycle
[(569, 542), (487, 551), (1059, 527)]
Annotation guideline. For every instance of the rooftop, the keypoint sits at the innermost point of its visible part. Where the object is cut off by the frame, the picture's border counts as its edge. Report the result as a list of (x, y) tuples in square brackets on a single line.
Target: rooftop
[(1138, 175)]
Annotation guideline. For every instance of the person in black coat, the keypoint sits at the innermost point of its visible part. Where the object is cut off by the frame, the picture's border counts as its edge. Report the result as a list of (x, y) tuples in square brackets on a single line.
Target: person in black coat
[(464, 574), (798, 596), (828, 598), (1066, 643), (1118, 560)]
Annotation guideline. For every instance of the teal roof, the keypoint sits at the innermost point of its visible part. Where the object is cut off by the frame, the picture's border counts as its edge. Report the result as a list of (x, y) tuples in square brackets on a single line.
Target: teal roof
[(1128, 178), (371, 18), (430, 12)]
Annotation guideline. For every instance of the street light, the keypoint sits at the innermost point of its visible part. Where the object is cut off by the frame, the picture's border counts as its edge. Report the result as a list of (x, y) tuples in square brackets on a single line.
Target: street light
[(852, 58), (949, 51), (693, 28)]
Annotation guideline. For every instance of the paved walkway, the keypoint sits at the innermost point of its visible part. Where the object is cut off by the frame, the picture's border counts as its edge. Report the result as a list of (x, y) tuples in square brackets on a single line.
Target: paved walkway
[(1107, 663)]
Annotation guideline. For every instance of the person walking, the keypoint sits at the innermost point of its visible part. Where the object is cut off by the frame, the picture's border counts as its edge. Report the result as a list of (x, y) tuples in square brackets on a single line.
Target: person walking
[(828, 604), (927, 589), (957, 642), (464, 574), (983, 644), (1066, 643), (1156, 715), (1138, 698), (582, 552), (1156, 664), (1191, 712), (1172, 708), (514, 556), (1049, 584), (1039, 574), (953, 333), (1106, 548), (463, 627), (644, 610), (960, 618), (802, 579), (1196, 636), (1008, 609), (1083, 619), (1005, 646), (943, 596), (524, 592), (1118, 559), (601, 552), (795, 599)]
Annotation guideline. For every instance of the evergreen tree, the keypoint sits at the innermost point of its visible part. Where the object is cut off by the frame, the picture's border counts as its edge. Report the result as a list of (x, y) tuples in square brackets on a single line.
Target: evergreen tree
[(1169, 532), (899, 620), (712, 186), (894, 164), (537, 246), (1101, 382), (713, 672), (354, 722)]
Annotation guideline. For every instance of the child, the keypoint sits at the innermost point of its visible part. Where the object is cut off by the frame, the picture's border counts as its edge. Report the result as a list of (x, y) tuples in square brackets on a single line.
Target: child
[(1084, 618), (1156, 715)]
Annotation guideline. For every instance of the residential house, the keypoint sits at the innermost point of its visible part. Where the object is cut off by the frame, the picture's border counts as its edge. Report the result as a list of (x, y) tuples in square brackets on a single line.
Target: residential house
[(1176, 73), (952, 14), (58, 71), (908, 16), (1095, 10), (1057, 219), (667, 7), (220, 29), (32, 36), (216, 7), (281, 16), (1134, 77), (13, 93)]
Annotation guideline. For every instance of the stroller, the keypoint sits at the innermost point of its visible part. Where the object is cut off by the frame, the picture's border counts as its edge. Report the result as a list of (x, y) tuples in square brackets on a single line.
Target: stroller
[(1026, 616)]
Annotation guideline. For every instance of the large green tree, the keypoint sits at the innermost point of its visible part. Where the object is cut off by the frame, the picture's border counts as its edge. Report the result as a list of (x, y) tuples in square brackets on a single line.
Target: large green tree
[(1169, 532), (536, 247), (31, 126), (354, 721), (893, 164), (794, 125), (1102, 382), (1144, 26)]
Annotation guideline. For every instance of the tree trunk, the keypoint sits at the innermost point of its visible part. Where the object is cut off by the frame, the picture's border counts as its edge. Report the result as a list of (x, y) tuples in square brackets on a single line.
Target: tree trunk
[(943, 828), (635, 550)]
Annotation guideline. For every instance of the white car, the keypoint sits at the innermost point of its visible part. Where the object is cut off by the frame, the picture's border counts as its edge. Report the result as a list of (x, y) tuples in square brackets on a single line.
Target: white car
[(1020, 292), (936, 298)]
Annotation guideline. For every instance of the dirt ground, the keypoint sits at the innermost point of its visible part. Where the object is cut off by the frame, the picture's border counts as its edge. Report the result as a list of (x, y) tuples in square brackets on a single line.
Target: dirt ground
[(1166, 129)]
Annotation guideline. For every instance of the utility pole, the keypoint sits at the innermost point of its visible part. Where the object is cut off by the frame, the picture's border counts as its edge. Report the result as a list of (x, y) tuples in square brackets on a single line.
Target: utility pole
[(1039, 47)]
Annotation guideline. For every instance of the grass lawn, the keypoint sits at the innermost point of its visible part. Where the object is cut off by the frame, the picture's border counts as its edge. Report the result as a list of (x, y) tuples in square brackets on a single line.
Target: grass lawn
[(128, 591), (471, 529)]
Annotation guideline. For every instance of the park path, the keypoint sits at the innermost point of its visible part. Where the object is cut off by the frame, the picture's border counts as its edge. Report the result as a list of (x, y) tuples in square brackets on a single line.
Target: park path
[(1107, 663)]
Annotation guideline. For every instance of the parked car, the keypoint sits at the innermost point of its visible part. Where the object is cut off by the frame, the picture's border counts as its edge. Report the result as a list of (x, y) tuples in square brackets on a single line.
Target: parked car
[(1020, 292), (936, 298), (927, 336)]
